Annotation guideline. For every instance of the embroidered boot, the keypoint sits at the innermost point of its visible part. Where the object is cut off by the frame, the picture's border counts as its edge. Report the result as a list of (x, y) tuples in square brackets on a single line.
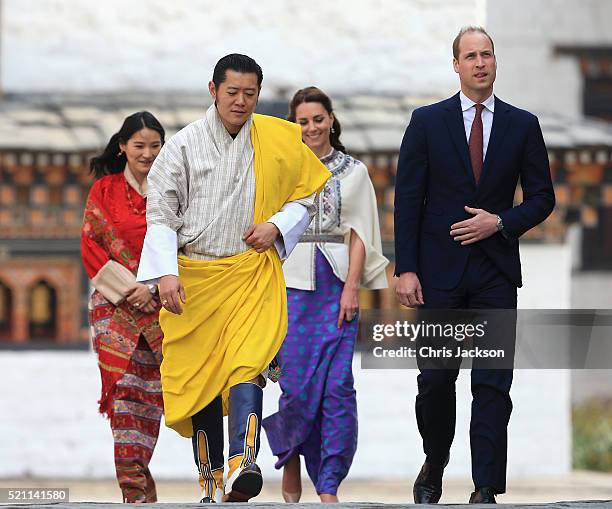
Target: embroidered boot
[(208, 450), (244, 477)]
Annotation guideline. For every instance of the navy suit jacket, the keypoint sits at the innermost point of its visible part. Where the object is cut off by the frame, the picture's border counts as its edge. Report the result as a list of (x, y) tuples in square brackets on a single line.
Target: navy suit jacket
[(435, 181)]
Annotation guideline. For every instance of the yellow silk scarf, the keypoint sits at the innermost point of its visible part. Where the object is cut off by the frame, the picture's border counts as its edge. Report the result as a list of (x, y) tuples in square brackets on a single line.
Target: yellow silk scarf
[(235, 316)]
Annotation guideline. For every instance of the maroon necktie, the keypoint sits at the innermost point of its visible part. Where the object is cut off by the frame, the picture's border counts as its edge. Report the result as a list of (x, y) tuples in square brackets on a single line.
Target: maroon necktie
[(476, 143)]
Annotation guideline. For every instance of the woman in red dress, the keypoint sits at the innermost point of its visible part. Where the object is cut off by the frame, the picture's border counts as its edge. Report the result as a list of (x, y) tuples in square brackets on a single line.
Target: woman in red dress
[(123, 313)]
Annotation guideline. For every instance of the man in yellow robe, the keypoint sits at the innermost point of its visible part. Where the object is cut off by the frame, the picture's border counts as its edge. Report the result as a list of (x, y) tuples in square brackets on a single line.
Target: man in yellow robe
[(230, 194)]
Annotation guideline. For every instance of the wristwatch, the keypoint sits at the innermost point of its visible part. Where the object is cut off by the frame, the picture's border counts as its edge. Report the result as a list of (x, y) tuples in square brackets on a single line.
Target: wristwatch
[(152, 288), (500, 224)]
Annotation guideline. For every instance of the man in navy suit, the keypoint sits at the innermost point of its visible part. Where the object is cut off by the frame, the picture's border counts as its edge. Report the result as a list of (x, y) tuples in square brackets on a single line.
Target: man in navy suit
[(456, 245)]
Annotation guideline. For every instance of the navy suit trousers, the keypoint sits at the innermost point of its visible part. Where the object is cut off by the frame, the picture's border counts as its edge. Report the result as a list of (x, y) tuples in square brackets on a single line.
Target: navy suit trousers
[(482, 286)]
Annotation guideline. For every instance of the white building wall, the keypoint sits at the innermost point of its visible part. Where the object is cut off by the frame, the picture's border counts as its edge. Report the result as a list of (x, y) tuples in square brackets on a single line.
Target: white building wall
[(346, 46), (525, 34), (342, 46)]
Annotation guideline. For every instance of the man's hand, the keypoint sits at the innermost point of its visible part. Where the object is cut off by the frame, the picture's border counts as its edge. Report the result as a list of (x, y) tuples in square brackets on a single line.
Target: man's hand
[(408, 290), (171, 293), (479, 227), (261, 236)]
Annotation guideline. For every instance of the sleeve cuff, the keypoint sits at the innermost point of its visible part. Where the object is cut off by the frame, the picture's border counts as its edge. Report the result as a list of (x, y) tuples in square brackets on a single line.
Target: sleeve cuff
[(292, 221), (504, 231), (309, 203), (159, 254)]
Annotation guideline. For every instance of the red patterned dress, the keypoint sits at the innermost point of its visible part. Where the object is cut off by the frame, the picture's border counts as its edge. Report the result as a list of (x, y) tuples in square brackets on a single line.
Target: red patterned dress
[(127, 341)]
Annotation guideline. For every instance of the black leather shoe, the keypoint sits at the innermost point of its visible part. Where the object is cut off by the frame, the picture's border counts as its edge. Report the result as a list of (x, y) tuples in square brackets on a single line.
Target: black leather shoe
[(247, 485), (484, 495), (207, 500), (428, 485)]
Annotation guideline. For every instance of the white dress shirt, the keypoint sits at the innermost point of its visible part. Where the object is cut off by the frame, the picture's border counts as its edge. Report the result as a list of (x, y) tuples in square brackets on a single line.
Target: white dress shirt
[(469, 112)]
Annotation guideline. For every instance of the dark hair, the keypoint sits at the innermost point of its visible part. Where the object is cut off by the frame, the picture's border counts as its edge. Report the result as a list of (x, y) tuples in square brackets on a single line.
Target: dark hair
[(109, 161), (316, 95), (238, 63), (467, 30)]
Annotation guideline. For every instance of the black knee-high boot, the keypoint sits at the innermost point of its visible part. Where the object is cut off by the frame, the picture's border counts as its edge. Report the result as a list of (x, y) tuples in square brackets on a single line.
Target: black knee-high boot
[(245, 408), (208, 449)]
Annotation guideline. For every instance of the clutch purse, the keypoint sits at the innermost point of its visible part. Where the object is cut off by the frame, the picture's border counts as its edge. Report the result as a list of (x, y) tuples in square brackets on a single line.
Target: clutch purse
[(113, 281)]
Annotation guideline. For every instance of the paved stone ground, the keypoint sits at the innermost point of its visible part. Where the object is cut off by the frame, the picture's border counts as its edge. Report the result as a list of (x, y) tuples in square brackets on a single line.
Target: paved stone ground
[(585, 490), (592, 504)]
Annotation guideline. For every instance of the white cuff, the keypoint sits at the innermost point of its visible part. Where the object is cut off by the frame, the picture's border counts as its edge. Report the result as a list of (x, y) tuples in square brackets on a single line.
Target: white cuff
[(159, 254), (292, 221)]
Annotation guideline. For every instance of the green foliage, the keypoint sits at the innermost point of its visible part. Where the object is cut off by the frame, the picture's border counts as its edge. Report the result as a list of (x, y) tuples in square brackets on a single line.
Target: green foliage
[(592, 435)]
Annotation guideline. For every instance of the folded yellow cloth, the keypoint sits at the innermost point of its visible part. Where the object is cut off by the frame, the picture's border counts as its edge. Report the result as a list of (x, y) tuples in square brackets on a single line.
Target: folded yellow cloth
[(235, 316)]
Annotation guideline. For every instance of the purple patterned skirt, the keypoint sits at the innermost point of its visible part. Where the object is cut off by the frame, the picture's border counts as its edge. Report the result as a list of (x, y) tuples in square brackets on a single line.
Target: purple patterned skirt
[(317, 415)]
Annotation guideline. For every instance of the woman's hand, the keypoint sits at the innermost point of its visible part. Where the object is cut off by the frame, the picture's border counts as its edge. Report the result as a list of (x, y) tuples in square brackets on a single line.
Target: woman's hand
[(349, 304), (139, 297), (349, 300), (151, 307)]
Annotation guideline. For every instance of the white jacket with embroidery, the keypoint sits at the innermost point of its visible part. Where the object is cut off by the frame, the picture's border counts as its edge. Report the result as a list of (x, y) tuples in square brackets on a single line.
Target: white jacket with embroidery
[(347, 202)]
